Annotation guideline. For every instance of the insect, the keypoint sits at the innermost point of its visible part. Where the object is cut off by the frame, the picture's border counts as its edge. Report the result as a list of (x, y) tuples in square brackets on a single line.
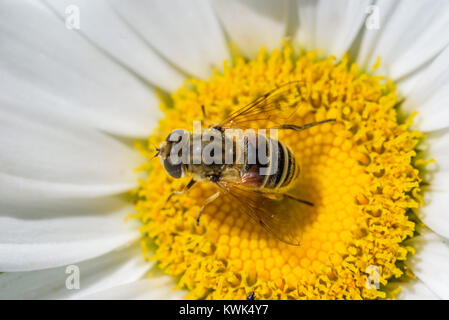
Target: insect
[(261, 188)]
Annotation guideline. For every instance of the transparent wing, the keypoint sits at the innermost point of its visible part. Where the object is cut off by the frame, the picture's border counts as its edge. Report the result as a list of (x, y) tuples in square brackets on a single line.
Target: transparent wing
[(277, 105), (281, 216)]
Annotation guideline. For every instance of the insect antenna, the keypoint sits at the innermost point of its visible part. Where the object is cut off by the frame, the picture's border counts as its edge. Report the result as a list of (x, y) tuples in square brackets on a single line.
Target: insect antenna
[(158, 151)]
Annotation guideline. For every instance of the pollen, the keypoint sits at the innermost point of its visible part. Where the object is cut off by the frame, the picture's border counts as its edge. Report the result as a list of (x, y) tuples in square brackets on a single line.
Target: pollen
[(359, 172)]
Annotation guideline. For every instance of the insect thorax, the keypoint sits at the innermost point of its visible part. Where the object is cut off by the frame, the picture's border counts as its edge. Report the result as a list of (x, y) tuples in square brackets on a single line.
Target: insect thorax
[(248, 159)]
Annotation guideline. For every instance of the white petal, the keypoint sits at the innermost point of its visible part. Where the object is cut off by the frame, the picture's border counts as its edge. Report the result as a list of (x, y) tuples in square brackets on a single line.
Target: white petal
[(436, 193), (436, 145), (101, 24), (434, 213), (157, 288), (252, 24), (430, 95), (330, 25), (408, 83), (410, 34), (47, 68), (186, 32), (431, 263), (45, 234), (42, 157), (416, 290), (107, 271)]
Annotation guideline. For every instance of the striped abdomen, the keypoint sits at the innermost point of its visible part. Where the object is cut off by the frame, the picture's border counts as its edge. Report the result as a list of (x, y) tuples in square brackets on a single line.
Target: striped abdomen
[(278, 171)]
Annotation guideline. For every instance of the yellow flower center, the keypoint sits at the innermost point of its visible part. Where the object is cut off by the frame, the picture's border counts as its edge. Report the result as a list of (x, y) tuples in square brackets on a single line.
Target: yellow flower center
[(360, 173)]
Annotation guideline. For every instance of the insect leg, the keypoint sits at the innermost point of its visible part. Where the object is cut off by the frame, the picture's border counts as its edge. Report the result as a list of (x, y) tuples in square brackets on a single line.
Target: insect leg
[(203, 110), (299, 128), (206, 202), (297, 199), (251, 296), (280, 196), (186, 188)]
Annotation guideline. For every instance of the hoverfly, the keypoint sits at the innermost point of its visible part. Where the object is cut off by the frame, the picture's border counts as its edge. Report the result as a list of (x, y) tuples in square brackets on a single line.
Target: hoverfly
[(264, 197)]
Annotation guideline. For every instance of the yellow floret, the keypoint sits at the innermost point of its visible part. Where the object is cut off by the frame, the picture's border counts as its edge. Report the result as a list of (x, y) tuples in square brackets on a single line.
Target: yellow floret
[(358, 171)]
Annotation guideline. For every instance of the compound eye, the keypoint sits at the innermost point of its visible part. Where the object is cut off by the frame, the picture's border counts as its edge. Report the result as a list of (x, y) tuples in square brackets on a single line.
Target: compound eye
[(175, 170)]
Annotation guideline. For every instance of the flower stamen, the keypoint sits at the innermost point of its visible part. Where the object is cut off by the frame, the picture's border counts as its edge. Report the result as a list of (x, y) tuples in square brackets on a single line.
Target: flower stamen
[(359, 172)]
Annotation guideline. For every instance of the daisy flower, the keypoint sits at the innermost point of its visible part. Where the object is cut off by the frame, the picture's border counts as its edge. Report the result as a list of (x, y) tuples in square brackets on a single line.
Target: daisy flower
[(88, 88)]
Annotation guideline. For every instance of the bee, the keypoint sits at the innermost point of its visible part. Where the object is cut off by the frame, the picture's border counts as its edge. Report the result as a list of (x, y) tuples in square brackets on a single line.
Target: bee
[(261, 188)]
